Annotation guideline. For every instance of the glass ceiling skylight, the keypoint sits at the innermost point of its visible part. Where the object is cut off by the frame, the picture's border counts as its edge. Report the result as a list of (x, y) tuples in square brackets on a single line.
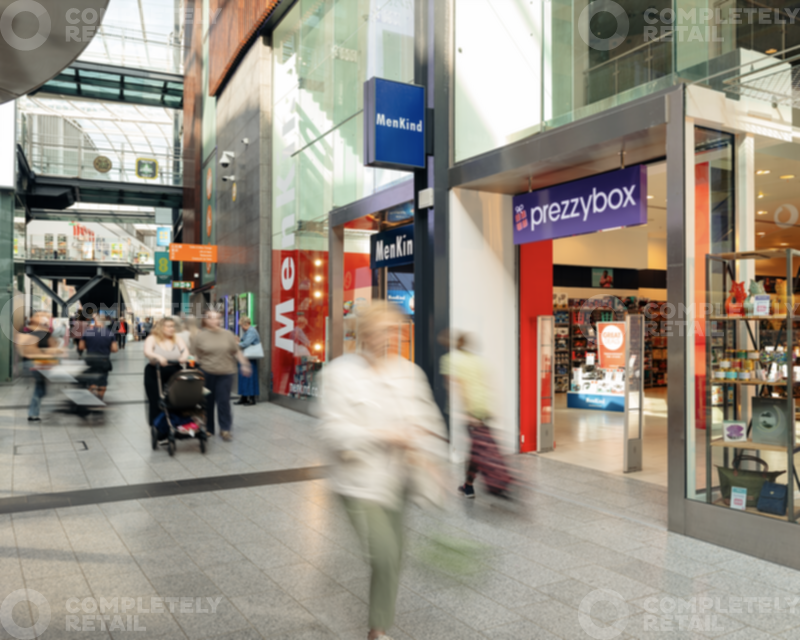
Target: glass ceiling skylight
[(140, 34)]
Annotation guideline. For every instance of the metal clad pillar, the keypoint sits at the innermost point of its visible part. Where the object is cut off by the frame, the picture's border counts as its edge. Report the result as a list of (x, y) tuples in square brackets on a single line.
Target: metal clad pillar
[(433, 63)]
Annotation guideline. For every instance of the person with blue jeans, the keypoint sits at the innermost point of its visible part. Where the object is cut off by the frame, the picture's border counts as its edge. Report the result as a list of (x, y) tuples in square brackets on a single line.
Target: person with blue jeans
[(248, 385), (217, 352), (35, 346)]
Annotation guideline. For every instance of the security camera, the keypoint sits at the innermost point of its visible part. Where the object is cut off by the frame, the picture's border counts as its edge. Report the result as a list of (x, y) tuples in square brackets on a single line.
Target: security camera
[(226, 159), (229, 178)]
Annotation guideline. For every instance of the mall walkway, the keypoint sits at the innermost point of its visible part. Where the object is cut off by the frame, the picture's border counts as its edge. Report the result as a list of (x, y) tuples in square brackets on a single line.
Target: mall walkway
[(245, 542)]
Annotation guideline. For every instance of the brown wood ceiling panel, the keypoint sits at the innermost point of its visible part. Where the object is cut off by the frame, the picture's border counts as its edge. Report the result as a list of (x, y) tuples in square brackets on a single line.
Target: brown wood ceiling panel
[(232, 30)]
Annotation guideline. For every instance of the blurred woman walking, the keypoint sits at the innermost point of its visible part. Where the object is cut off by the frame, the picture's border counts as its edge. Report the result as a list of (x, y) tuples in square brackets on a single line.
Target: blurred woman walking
[(383, 430)]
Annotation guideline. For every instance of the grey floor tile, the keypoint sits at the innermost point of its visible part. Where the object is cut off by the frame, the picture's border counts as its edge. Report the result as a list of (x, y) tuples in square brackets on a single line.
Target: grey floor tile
[(239, 578)]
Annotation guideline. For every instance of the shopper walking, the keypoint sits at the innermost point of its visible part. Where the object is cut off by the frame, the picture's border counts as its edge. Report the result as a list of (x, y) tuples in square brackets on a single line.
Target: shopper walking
[(379, 420), (122, 333), (36, 347), (217, 351), (165, 350), (469, 373), (248, 385), (99, 342), (77, 327)]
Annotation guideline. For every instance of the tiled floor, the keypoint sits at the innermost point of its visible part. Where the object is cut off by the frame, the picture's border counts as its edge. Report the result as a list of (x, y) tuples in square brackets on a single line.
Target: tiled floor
[(593, 439), (581, 554), (66, 453)]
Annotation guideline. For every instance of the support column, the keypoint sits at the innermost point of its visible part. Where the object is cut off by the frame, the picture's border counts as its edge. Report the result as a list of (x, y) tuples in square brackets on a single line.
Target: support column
[(433, 66), (6, 284), (677, 178)]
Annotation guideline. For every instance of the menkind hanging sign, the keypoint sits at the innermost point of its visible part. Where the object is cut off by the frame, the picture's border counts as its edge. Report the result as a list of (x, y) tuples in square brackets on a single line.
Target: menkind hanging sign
[(607, 201)]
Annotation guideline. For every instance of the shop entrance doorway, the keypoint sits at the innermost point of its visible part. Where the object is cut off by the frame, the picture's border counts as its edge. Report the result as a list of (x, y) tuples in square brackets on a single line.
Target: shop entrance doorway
[(371, 258), (599, 280)]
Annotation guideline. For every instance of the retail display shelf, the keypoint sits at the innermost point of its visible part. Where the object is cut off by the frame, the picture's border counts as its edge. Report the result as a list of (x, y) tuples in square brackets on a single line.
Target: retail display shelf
[(721, 503), (750, 445), (751, 383), (774, 410), (750, 318)]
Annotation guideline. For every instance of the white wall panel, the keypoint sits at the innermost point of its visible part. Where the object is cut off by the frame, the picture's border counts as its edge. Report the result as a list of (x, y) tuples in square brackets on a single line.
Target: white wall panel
[(8, 145), (483, 294)]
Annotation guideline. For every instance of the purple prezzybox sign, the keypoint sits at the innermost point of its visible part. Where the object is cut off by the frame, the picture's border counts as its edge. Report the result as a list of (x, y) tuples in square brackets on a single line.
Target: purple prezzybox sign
[(608, 201)]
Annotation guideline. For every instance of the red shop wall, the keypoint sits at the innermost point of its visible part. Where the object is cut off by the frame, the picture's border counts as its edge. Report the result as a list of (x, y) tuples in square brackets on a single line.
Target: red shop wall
[(535, 299)]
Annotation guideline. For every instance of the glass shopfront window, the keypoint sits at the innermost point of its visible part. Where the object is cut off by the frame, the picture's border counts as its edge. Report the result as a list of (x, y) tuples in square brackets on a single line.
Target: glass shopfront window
[(323, 53), (744, 349)]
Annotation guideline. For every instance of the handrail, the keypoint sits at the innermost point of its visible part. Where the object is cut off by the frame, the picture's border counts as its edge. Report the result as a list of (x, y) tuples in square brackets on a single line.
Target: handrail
[(644, 45)]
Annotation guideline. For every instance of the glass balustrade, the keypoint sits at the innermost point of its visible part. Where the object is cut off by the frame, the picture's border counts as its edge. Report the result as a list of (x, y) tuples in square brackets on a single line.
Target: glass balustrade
[(54, 158), (54, 246)]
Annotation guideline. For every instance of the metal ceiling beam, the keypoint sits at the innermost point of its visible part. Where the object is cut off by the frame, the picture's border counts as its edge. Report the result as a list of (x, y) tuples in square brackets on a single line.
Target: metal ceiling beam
[(77, 215)]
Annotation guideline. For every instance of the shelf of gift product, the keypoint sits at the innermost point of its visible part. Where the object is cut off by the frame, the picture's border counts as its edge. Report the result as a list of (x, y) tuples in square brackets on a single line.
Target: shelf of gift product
[(583, 331), (562, 350), (655, 344), (741, 352)]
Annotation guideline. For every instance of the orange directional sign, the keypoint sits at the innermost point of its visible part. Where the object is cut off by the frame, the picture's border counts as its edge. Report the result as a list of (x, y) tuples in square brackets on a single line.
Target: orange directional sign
[(193, 253)]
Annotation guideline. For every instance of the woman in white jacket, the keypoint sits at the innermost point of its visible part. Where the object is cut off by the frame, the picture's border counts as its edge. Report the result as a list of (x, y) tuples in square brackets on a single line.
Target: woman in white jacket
[(384, 431)]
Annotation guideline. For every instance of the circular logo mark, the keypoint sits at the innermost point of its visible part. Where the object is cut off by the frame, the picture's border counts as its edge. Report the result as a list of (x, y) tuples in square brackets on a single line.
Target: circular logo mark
[(7, 25), (102, 164), (612, 338), (7, 619), (791, 220), (605, 632), (585, 29)]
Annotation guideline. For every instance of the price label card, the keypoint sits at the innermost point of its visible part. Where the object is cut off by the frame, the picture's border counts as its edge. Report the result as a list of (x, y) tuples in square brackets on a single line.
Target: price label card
[(738, 498), (590, 359), (762, 305)]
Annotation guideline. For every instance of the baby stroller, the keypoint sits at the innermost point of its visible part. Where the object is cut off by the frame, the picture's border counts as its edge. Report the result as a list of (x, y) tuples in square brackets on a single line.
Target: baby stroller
[(183, 404)]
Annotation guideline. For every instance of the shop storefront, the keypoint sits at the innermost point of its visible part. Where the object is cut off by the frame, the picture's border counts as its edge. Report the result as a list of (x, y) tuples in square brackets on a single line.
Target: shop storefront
[(718, 158)]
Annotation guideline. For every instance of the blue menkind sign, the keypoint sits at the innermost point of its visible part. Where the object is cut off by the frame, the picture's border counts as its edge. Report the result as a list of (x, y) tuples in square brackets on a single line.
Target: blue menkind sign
[(394, 125), (608, 201), (392, 248)]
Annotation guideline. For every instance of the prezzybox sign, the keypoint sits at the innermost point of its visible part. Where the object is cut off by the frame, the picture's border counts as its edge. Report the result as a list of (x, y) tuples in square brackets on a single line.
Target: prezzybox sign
[(392, 248), (611, 344), (394, 125), (193, 253), (608, 201)]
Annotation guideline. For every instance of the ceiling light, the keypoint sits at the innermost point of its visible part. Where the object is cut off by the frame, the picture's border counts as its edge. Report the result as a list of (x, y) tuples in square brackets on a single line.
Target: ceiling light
[(317, 347), (650, 197), (762, 233), (784, 244), (769, 52), (788, 177), (318, 294), (318, 263), (762, 213), (762, 172), (760, 195), (319, 278)]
